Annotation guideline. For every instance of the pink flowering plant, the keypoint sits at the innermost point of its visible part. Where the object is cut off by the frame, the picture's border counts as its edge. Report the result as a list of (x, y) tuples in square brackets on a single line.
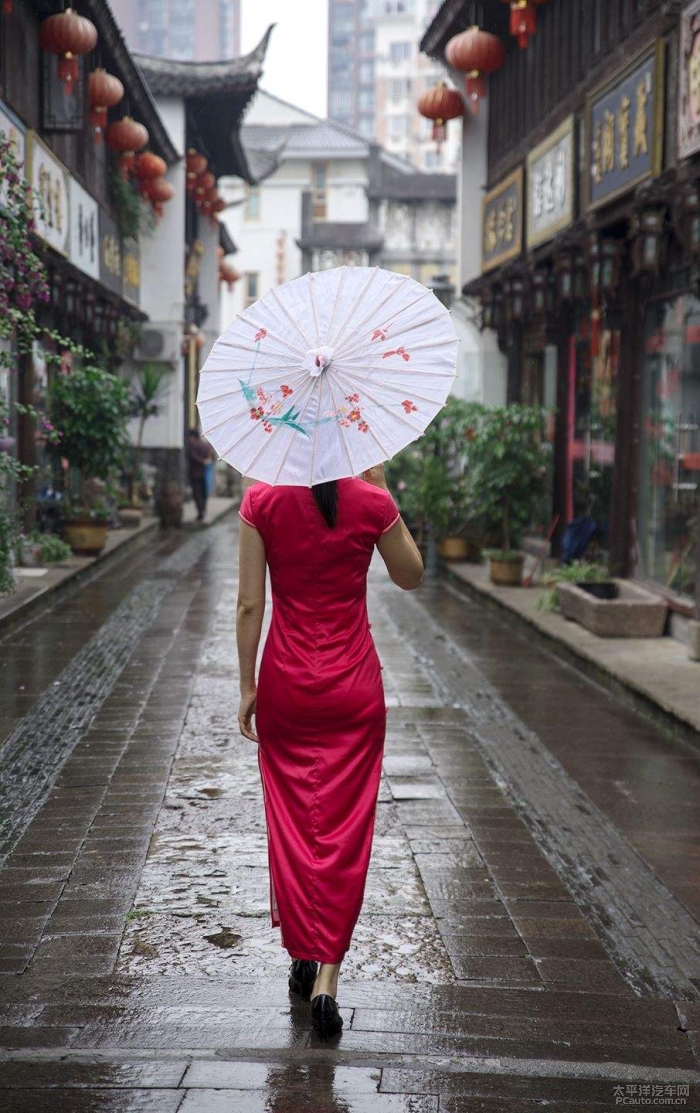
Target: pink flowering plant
[(23, 286)]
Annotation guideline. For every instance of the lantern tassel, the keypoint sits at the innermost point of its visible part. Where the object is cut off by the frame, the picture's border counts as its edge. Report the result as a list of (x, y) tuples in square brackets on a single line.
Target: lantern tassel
[(439, 132)]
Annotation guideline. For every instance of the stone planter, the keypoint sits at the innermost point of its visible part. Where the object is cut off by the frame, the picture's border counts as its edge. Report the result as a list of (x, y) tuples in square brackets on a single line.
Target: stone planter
[(507, 573), (453, 548), (85, 536), (633, 613), (694, 639)]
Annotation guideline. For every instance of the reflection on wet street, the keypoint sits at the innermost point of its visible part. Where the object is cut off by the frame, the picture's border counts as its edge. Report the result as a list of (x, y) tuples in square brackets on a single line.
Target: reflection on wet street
[(530, 930)]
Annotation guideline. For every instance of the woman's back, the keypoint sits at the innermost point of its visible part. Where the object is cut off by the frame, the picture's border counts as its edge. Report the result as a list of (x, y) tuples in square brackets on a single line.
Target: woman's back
[(318, 572)]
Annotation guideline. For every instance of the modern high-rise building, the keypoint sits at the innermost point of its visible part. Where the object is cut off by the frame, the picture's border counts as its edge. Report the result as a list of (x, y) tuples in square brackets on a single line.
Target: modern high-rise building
[(351, 65), (376, 74), (188, 30)]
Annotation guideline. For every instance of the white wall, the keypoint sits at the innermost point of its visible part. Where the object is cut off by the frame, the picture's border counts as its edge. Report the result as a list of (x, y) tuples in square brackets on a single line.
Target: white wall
[(347, 191), (483, 367), (162, 289)]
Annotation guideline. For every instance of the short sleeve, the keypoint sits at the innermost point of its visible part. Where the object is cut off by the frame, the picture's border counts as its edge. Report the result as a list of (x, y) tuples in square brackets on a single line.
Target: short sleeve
[(391, 514), (246, 510)]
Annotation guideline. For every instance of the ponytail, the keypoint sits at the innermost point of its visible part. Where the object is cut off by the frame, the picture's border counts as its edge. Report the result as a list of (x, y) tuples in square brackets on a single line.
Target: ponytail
[(326, 498)]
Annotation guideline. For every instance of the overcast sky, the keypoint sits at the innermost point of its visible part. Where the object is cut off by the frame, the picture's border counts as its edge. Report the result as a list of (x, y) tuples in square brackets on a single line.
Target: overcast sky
[(296, 63)]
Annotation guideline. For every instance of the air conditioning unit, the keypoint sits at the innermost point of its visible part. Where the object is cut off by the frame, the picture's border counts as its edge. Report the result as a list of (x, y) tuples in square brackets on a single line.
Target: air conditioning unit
[(162, 344)]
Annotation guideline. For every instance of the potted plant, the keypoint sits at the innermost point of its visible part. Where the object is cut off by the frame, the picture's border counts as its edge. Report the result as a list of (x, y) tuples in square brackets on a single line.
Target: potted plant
[(428, 478), (36, 550), (147, 390), (91, 407), (505, 478)]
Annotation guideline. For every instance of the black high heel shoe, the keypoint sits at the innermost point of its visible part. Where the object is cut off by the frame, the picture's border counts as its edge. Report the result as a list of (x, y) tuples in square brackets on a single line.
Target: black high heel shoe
[(302, 975), (326, 1016)]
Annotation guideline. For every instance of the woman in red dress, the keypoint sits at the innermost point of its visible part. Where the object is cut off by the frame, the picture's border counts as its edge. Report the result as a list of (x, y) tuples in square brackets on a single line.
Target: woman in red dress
[(320, 717)]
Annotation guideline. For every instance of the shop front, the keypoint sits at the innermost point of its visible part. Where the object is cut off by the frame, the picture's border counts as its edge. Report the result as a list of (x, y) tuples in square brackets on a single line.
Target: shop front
[(670, 443)]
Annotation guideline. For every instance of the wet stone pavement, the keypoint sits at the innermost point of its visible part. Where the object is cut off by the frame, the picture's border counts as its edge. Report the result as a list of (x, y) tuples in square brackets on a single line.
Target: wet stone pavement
[(531, 930)]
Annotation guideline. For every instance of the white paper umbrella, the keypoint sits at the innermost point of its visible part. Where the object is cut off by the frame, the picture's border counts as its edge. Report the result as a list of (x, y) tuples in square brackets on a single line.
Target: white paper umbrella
[(327, 376)]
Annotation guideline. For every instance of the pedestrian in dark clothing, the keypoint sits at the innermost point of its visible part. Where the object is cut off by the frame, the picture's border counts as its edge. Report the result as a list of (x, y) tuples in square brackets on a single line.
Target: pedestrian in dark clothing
[(198, 454)]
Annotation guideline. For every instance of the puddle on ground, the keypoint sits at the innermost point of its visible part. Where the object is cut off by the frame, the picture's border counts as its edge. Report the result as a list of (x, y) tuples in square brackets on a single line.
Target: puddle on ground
[(203, 901)]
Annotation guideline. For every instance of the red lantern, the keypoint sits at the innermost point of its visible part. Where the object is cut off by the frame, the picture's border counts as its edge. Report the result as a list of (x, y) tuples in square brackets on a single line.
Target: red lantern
[(203, 184), (104, 91), (68, 35), (218, 205), (228, 274), (159, 192), (126, 137), (440, 104), (475, 53), (523, 19), (7, 7), (196, 165), (147, 167)]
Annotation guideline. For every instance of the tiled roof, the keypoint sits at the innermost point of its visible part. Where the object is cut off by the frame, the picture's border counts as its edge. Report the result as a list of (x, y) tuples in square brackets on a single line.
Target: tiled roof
[(326, 135), (169, 77)]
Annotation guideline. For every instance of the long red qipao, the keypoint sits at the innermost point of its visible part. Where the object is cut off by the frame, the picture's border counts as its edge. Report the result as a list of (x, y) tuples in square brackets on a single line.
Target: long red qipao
[(321, 717)]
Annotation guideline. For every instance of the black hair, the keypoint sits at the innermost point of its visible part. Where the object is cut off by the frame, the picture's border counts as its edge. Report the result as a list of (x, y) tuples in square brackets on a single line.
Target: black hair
[(193, 432), (326, 496)]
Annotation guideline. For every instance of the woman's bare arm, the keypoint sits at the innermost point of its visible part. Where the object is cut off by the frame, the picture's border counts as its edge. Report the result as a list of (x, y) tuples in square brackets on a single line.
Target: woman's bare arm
[(396, 547), (249, 620)]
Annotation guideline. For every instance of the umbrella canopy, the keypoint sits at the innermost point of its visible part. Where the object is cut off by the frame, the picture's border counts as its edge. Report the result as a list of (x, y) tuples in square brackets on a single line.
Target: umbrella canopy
[(327, 376)]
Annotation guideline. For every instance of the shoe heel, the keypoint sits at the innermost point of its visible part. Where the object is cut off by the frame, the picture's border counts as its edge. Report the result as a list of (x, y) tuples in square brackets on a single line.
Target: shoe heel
[(302, 979), (327, 1020)]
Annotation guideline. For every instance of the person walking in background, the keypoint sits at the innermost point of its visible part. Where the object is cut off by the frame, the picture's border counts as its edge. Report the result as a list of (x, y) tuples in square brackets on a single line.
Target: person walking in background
[(199, 454), (318, 704)]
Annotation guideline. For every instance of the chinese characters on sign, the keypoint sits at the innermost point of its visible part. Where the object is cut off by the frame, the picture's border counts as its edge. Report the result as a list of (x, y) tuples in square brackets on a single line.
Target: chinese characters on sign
[(10, 128), (131, 277), (550, 185), (192, 267), (689, 82), (49, 180), (83, 230), (110, 260), (625, 127), (503, 222)]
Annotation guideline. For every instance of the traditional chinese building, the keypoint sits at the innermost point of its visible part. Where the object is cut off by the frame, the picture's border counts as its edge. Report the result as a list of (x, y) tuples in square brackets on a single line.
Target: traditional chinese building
[(588, 150), (93, 263)]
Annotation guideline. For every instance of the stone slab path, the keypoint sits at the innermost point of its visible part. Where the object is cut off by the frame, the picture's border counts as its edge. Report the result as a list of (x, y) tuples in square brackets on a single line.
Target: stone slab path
[(529, 936)]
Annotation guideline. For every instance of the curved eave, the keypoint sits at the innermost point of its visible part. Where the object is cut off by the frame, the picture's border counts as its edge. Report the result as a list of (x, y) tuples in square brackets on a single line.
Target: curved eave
[(454, 16), (171, 77)]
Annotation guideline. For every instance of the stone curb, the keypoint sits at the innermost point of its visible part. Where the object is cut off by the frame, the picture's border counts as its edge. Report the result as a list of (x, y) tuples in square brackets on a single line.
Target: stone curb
[(665, 715)]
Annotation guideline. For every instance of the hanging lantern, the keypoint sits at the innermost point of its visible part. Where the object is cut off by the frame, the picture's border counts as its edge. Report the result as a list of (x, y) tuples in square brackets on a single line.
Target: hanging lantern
[(147, 167), (440, 104), (523, 19), (68, 35), (228, 274), (104, 92), (204, 183), (218, 206), (159, 192), (196, 164), (475, 53), (126, 137)]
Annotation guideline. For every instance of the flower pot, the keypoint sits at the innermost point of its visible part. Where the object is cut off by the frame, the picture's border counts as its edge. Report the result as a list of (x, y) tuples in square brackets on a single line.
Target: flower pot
[(85, 536), (507, 572), (130, 517), (453, 548), (30, 554)]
